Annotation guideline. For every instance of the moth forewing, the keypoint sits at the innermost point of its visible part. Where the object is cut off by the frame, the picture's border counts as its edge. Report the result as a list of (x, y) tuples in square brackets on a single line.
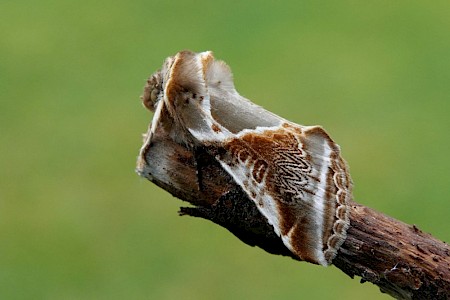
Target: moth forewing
[(294, 174), (149, 135)]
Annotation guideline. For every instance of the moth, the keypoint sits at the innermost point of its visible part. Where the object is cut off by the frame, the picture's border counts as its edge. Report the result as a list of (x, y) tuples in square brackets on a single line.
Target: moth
[(294, 174)]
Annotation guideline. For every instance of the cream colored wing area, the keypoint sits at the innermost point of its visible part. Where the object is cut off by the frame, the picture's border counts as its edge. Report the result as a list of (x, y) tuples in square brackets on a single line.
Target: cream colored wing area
[(241, 171)]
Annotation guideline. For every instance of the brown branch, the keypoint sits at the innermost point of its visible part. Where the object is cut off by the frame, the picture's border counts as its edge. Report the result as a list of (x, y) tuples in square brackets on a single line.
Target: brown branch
[(403, 261)]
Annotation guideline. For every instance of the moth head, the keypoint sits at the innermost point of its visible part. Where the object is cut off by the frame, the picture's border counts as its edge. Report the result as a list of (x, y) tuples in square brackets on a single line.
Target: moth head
[(154, 87), (152, 91)]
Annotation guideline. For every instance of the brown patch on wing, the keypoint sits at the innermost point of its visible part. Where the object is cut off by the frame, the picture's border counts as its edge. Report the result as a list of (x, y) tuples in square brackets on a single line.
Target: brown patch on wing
[(298, 224), (276, 158), (215, 128), (302, 242), (288, 161)]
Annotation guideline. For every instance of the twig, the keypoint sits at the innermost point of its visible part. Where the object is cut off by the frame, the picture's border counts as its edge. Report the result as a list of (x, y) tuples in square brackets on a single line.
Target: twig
[(403, 261)]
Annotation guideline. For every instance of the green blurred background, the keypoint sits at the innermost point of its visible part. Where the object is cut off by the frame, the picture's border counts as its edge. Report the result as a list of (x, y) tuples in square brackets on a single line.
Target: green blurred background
[(76, 222)]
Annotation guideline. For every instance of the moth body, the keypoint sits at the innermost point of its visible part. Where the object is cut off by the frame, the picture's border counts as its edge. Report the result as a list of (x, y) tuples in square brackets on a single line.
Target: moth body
[(293, 173)]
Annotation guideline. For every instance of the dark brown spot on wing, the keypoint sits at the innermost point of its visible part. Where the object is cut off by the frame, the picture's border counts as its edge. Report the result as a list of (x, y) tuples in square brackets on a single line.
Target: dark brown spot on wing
[(215, 128)]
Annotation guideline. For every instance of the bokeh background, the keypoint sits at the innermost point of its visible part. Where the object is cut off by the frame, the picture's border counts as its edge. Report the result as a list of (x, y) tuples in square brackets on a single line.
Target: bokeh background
[(76, 222)]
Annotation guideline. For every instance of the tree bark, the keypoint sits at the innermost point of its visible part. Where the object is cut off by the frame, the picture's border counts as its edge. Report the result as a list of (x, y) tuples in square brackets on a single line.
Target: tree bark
[(403, 261)]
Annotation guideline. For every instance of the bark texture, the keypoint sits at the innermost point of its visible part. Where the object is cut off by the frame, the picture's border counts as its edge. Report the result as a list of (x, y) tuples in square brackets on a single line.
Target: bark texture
[(403, 261)]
